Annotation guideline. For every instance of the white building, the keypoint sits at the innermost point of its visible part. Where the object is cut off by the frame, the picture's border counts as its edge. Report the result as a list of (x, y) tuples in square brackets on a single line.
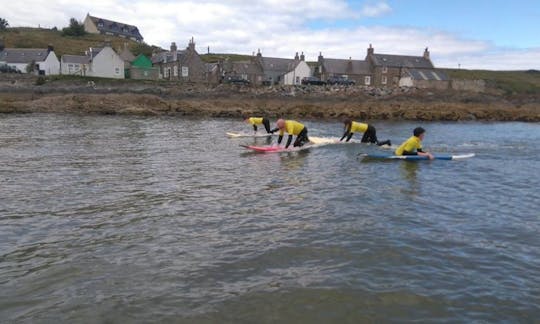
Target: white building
[(298, 72), (284, 71), (41, 61), (100, 62)]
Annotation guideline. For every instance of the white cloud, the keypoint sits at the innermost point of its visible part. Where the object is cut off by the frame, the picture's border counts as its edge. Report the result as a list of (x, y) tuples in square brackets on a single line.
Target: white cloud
[(375, 9), (278, 27)]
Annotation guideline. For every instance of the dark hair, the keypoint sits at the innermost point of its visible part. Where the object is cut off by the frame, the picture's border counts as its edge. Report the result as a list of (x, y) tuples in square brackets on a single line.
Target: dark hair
[(347, 121), (418, 131)]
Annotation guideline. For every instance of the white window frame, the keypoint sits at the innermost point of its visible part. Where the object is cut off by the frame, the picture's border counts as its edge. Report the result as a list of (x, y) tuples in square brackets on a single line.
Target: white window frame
[(185, 71), (367, 80), (384, 69), (175, 70), (384, 80), (117, 70)]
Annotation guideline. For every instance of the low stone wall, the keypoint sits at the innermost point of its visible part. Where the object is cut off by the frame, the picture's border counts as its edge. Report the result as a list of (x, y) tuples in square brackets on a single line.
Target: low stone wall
[(468, 85)]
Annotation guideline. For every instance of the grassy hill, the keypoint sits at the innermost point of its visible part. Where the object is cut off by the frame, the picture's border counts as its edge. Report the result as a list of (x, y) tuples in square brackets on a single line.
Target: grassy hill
[(39, 38), (511, 82)]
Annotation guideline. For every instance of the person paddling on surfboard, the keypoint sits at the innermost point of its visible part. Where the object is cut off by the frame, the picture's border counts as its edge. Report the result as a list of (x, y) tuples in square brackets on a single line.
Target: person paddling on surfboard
[(292, 127), (259, 121), (370, 133), (413, 145)]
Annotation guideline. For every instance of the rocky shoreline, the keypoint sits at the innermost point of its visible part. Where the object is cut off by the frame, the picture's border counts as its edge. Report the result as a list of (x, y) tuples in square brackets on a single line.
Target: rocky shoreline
[(364, 103)]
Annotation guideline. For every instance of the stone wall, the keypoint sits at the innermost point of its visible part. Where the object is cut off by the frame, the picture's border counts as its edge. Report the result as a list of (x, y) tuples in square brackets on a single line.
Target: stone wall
[(468, 85), (143, 73), (432, 84)]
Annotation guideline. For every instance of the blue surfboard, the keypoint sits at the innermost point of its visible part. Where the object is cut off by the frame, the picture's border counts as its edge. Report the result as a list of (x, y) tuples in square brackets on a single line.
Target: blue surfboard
[(417, 157)]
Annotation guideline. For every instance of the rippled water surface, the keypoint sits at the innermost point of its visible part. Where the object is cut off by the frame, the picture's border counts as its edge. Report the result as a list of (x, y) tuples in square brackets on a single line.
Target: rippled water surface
[(106, 218)]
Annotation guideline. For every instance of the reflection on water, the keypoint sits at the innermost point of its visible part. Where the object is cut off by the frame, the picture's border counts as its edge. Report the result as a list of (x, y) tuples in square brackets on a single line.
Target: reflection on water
[(125, 219), (409, 171)]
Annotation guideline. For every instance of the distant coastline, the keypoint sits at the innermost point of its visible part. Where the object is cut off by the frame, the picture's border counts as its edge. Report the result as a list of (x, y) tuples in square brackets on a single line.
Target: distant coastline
[(22, 95)]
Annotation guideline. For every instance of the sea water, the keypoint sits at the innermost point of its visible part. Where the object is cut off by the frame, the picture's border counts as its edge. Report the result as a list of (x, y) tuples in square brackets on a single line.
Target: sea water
[(166, 219)]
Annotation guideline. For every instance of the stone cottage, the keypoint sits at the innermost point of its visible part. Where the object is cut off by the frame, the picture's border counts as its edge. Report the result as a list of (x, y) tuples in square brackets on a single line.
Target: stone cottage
[(357, 70), (180, 65)]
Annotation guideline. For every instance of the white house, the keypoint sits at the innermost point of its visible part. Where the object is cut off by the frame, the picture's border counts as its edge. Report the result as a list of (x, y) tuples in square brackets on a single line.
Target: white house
[(74, 65), (295, 76), (41, 61), (102, 62), (283, 71)]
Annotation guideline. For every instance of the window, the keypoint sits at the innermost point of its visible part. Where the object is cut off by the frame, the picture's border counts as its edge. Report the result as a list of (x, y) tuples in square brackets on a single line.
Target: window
[(383, 79), (175, 71), (117, 70), (367, 80), (384, 69), (297, 81), (185, 71)]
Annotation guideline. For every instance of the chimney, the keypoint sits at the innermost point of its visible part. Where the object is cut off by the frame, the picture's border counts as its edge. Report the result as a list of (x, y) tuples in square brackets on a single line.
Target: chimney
[(302, 57), (426, 54), (296, 57), (173, 47), (320, 58), (259, 53), (370, 50), (191, 45)]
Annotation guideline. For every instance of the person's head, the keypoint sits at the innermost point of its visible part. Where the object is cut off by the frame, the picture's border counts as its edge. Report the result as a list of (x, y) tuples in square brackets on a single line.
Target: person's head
[(419, 132), (245, 118), (347, 121), (280, 123)]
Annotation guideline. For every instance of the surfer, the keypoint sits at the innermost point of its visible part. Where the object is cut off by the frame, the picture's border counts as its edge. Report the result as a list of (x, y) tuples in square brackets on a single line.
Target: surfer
[(292, 127), (413, 145), (260, 121), (370, 133)]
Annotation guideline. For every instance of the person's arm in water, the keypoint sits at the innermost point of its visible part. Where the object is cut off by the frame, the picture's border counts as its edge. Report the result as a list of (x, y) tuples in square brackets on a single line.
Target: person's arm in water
[(274, 130), (344, 135), (255, 128), (422, 153), (289, 140), (347, 133)]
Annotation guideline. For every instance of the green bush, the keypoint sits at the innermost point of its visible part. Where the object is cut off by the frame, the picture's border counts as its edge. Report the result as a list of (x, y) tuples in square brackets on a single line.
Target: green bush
[(40, 81)]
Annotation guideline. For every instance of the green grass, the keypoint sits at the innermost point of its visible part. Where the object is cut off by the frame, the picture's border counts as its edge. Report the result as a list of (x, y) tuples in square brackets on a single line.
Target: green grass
[(511, 82), (24, 37), (214, 57)]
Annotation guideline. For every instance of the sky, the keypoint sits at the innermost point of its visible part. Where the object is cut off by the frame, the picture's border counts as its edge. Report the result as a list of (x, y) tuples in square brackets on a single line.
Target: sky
[(474, 34)]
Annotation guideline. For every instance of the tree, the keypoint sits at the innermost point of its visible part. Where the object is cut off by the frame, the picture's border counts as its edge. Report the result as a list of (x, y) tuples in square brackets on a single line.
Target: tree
[(75, 28), (142, 48), (3, 24), (31, 67)]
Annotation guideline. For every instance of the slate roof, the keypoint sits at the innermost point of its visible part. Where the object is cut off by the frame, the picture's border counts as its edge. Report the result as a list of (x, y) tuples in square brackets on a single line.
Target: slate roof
[(23, 55), (388, 60), (105, 25), (127, 56), (280, 65), (93, 52), (428, 74), (77, 59), (245, 67), (340, 66), (167, 56)]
